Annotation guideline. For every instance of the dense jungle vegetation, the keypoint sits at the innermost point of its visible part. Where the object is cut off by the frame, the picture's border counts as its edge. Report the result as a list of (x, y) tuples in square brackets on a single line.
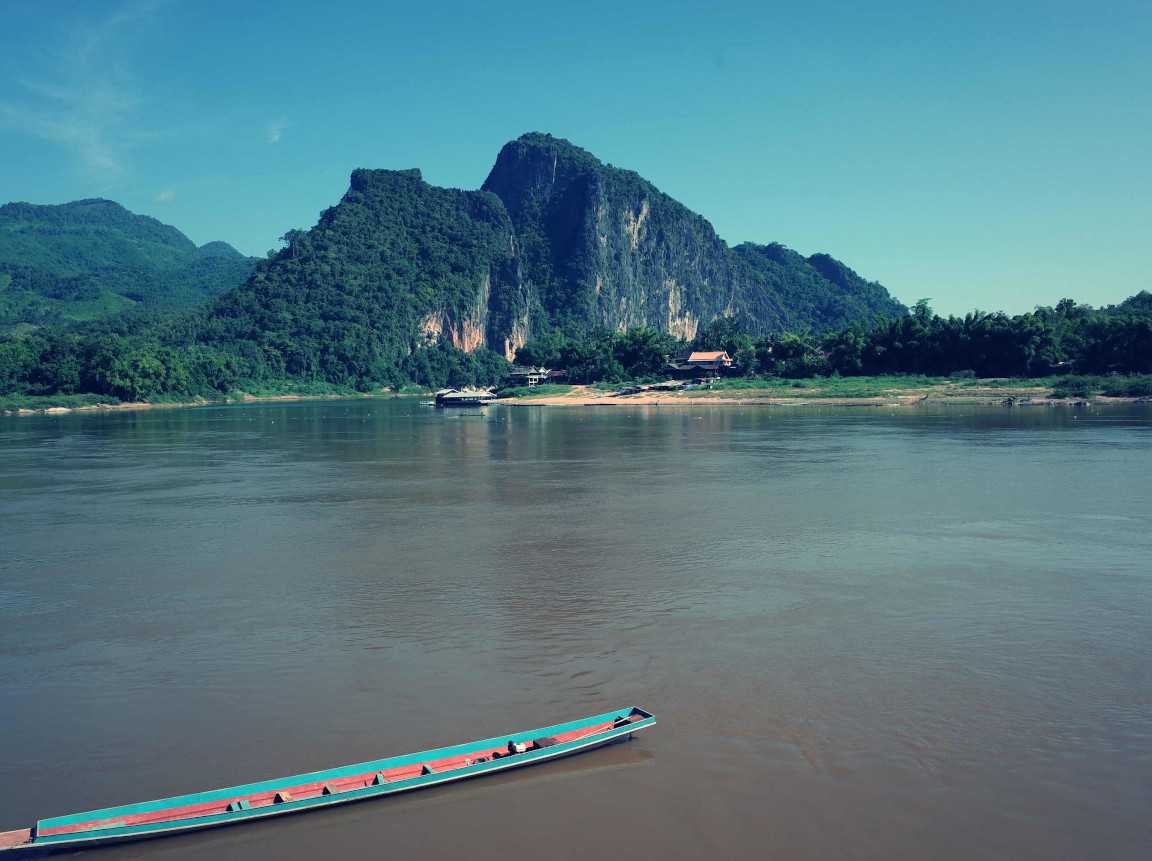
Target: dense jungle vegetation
[(92, 259), (1069, 338), (1090, 346)]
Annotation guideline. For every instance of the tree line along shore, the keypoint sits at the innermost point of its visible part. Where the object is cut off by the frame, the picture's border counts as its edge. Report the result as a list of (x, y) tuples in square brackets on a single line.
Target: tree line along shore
[(1066, 351)]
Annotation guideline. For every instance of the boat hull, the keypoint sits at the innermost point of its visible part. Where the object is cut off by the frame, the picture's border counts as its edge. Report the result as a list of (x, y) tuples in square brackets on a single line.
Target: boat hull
[(250, 802)]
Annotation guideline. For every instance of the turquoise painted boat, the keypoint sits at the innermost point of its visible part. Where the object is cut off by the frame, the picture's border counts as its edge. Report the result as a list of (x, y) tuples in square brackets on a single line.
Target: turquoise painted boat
[(324, 788)]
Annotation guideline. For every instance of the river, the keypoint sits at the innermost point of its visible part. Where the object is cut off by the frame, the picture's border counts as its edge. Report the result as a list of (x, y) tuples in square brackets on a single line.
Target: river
[(865, 632)]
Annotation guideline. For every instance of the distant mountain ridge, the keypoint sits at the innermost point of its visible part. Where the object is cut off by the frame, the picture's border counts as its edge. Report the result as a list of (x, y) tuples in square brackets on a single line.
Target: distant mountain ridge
[(93, 258), (554, 241)]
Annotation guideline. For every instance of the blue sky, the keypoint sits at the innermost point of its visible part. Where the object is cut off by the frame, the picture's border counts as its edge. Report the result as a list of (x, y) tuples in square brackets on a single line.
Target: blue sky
[(990, 155)]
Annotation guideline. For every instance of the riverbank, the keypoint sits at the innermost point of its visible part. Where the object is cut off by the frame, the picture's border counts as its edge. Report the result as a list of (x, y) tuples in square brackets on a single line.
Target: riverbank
[(841, 392), (862, 393), (200, 402)]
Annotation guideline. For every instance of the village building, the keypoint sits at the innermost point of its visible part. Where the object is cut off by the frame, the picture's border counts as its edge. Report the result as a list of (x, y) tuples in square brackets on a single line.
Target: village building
[(699, 364), (528, 376)]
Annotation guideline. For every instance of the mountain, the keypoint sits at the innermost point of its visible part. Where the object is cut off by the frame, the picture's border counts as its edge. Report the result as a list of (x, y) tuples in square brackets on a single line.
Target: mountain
[(554, 241), (601, 245), (93, 258)]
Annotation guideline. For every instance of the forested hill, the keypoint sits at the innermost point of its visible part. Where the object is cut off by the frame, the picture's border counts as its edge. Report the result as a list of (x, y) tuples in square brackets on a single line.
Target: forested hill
[(398, 264), (93, 258), (554, 243)]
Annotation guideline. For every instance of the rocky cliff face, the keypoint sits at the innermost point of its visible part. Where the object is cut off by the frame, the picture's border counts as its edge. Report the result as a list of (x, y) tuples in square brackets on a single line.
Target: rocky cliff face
[(603, 246), (553, 240)]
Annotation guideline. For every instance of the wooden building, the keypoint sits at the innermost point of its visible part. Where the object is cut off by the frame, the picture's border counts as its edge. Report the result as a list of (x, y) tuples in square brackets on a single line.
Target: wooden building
[(694, 364), (529, 376)]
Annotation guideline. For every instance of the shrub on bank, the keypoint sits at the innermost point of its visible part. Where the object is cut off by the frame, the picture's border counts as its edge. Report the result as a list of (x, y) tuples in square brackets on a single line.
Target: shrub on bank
[(11, 403), (1076, 386), (540, 390), (1136, 386)]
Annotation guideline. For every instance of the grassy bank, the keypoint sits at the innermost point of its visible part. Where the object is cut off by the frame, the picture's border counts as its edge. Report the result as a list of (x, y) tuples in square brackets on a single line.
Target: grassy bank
[(283, 391), (15, 403), (542, 390), (853, 388), (893, 390)]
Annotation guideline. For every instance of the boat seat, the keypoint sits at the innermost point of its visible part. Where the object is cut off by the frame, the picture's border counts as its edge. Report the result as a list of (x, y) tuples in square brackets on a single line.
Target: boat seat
[(282, 798), (242, 804)]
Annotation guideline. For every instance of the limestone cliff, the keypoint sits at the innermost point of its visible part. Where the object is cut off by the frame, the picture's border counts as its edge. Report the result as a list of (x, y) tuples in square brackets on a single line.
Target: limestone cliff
[(604, 247), (601, 245)]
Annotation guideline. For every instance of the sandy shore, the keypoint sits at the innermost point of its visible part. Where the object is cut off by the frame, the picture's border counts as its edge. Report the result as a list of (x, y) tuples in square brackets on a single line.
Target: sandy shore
[(589, 396), (936, 395)]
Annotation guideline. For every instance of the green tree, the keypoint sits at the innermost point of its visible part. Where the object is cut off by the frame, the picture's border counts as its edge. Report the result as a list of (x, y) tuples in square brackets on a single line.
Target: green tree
[(643, 352)]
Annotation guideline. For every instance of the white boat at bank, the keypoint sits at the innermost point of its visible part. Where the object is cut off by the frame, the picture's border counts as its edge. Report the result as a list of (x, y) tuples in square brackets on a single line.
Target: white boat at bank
[(463, 397)]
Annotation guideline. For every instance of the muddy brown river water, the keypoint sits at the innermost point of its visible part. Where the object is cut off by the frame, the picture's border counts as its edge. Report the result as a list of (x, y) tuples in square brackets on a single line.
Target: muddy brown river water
[(865, 633)]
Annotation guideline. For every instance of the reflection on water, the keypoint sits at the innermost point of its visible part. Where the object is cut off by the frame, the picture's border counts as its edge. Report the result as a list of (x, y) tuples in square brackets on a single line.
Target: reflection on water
[(865, 633)]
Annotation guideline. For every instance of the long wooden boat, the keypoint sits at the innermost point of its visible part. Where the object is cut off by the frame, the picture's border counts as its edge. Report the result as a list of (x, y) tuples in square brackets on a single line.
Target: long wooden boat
[(324, 788)]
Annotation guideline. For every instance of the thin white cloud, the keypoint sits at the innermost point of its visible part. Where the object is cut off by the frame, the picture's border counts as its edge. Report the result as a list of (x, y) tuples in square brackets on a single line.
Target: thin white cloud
[(165, 196), (84, 97), (276, 129)]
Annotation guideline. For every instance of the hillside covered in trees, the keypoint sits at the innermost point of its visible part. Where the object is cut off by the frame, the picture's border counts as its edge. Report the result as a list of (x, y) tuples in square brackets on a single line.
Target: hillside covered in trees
[(554, 244), (92, 259)]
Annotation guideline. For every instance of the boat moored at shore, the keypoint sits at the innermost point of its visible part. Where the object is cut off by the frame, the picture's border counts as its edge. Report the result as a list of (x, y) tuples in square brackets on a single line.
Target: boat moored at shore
[(463, 398)]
